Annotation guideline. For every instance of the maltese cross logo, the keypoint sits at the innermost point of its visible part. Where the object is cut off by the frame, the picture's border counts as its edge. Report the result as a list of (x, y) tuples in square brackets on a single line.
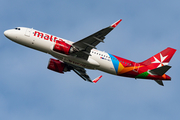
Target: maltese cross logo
[(161, 61)]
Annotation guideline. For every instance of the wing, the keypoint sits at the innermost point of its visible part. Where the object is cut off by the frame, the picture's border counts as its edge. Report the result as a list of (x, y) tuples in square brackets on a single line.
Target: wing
[(85, 45), (82, 73)]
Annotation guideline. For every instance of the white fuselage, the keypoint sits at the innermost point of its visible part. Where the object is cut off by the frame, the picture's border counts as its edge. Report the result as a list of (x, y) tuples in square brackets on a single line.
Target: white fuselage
[(45, 42)]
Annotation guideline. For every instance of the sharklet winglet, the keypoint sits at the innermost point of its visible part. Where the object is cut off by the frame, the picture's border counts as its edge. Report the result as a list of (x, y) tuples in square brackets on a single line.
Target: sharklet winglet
[(97, 79), (116, 23)]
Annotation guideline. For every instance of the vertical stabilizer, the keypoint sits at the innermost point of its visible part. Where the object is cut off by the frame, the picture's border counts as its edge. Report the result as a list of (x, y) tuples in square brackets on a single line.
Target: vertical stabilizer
[(160, 59)]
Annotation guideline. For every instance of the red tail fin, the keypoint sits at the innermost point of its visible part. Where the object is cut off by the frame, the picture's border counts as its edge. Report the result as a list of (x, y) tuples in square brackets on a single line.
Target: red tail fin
[(160, 59)]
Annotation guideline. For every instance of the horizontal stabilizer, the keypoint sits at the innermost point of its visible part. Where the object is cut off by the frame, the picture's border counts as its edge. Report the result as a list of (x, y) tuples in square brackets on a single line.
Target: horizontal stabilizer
[(160, 70), (160, 82)]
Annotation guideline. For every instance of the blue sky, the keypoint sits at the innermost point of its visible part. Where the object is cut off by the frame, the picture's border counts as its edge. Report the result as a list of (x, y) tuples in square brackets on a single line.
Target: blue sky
[(28, 90)]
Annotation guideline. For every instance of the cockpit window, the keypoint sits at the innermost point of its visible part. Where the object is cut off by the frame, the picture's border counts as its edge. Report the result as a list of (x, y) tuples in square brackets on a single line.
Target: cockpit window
[(17, 29)]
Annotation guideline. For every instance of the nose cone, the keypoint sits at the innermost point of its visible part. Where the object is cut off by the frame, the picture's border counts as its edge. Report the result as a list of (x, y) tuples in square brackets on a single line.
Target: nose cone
[(6, 33), (10, 34)]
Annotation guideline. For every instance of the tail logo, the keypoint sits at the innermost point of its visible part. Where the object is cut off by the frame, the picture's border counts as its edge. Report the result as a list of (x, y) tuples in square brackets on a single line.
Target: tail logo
[(161, 61)]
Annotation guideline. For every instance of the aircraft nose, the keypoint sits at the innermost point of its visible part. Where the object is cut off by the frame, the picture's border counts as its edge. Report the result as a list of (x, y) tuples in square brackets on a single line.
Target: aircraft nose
[(6, 33), (10, 34)]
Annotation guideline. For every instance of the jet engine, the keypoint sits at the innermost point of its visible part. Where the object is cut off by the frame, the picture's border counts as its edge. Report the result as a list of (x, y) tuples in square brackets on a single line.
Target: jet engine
[(62, 47), (57, 66)]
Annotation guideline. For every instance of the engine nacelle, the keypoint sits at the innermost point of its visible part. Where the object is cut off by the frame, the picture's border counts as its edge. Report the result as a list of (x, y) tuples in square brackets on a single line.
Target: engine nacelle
[(62, 47), (57, 66)]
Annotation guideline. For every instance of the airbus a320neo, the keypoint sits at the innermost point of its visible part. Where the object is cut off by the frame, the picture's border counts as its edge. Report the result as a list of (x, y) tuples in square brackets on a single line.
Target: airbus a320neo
[(83, 54)]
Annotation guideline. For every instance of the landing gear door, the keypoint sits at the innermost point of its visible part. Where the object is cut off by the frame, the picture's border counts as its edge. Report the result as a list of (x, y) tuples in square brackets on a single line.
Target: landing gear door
[(28, 32)]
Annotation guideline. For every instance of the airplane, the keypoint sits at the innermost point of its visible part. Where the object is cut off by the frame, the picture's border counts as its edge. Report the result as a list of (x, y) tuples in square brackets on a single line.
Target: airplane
[(83, 54)]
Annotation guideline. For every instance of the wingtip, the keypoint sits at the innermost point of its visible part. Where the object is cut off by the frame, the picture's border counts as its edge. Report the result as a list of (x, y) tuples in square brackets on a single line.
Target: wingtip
[(116, 23), (97, 79)]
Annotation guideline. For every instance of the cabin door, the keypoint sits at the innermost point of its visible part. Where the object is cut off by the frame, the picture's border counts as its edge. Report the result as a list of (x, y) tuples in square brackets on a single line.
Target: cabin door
[(28, 32), (136, 67)]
